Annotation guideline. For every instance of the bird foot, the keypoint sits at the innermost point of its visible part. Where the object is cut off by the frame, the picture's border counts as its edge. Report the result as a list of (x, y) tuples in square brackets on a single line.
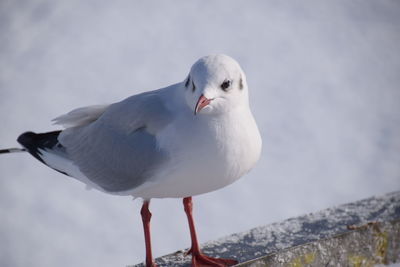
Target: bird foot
[(201, 260), (151, 264)]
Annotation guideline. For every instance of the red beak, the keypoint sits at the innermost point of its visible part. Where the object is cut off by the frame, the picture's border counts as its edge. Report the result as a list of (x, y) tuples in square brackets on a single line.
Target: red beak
[(201, 103)]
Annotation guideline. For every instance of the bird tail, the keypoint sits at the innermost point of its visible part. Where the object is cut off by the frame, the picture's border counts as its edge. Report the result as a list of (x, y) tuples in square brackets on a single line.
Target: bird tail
[(12, 150)]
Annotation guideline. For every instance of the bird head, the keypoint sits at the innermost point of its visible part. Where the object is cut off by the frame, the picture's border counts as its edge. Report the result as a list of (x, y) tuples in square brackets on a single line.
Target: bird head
[(216, 84)]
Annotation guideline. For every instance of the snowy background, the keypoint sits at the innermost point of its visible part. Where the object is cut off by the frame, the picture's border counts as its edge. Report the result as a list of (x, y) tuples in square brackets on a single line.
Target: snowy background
[(324, 79)]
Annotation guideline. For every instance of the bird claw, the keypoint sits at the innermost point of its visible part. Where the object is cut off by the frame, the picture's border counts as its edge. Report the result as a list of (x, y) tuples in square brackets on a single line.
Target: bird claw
[(151, 264)]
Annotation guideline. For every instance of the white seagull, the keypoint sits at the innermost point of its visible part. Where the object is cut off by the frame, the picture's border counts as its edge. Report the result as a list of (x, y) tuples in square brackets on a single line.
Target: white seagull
[(186, 139)]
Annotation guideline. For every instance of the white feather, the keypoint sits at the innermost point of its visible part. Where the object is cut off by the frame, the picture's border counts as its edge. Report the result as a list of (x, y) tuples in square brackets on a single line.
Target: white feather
[(80, 116)]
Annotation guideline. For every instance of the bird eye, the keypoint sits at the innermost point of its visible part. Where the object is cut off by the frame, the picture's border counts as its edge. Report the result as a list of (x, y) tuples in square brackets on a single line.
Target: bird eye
[(225, 85)]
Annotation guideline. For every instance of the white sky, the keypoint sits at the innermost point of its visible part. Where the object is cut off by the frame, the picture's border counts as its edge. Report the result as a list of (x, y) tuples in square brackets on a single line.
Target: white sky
[(324, 80)]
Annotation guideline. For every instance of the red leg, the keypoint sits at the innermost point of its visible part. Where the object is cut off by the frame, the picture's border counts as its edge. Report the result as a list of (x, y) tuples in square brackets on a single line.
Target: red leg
[(146, 216), (198, 258)]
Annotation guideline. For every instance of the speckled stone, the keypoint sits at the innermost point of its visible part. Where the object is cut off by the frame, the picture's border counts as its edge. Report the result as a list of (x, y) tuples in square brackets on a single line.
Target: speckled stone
[(364, 246), (361, 233)]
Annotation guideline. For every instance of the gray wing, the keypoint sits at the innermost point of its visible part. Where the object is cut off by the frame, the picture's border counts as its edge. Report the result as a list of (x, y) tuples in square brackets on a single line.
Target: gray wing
[(119, 150)]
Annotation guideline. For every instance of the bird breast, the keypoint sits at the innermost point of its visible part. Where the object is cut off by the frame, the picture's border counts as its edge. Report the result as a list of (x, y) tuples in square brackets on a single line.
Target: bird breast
[(213, 153)]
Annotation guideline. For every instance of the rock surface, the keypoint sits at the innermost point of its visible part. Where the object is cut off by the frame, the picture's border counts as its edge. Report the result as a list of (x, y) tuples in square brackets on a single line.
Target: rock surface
[(362, 233)]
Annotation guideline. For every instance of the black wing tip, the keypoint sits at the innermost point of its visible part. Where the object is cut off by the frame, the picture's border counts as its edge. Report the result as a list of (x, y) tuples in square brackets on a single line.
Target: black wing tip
[(43, 139), (33, 142), (26, 138)]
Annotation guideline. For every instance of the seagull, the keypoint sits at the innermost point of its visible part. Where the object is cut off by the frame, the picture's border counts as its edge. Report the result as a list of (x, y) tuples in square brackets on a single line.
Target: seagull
[(183, 140)]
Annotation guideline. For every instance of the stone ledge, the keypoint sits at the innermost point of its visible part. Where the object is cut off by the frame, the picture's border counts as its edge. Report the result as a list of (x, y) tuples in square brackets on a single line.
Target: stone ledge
[(367, 245), (362, 233)]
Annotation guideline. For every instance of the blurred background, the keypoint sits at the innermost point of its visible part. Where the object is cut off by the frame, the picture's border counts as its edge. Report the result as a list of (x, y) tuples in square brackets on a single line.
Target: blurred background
[(324, 86)]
